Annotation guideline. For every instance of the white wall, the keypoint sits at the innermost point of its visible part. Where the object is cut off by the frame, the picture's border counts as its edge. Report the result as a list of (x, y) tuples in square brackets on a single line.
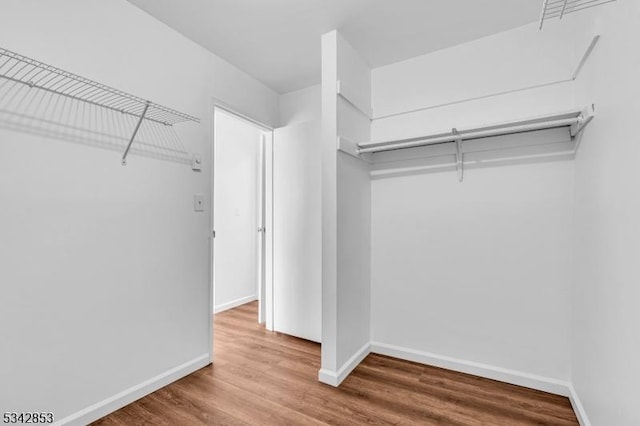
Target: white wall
[(478, 271), (300, 106), (501, 63), (104, 268), (237, 145), (354, 211), (354, 248), (346, 212), (605, 344), (329, 188)]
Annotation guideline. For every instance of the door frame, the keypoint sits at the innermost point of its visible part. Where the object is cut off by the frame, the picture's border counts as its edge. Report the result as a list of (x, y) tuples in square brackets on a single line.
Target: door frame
[(265, 290)]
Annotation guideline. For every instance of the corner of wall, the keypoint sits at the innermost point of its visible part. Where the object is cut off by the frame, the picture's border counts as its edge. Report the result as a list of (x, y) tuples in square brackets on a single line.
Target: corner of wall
[(346, 207), (578, 408), (334, 378)]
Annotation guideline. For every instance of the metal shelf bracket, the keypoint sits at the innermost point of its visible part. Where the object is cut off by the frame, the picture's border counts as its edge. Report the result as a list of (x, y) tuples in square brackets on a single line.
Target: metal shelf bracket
[(583, 119), (135, 132), (459, 156)]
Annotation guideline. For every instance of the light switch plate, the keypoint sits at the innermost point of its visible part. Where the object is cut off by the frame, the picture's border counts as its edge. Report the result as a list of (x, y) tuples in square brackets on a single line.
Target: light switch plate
[(198, 203), (196, 163)]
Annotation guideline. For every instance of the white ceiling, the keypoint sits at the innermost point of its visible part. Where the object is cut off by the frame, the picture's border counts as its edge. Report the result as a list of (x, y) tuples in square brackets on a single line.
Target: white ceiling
[(278, 41)]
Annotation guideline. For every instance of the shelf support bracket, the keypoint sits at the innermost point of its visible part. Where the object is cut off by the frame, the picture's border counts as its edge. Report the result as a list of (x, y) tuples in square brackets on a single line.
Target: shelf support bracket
[(564, 7), (459, 156), (135, 132), (350, 147), (585, 118), (543, 14), (577, 129)]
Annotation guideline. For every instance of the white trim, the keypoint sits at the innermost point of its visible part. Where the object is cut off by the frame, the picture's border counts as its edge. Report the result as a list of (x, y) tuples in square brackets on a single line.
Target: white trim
[(334, 378), (119, 400), (476, 98), (581, 413), (212, 274), (585, 56), (328, 377), (349, 147), (234, 303), (545, 384), (269, 248), (217, 104), (346, 92), (262, 224), (237, 114)]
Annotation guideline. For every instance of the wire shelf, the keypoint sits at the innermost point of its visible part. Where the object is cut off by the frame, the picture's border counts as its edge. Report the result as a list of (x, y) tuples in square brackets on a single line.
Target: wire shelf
[(41, 99), (558, 8)]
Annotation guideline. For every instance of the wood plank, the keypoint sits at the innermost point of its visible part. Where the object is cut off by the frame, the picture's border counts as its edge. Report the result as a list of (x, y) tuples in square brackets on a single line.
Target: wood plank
[(268, 378)]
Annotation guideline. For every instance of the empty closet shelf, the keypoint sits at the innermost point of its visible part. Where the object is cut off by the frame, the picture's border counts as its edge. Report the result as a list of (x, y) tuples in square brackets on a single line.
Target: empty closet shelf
[(574, 120)]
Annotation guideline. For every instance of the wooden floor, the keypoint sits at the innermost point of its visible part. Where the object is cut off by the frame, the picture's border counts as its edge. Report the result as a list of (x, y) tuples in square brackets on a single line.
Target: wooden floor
[(265, 378)]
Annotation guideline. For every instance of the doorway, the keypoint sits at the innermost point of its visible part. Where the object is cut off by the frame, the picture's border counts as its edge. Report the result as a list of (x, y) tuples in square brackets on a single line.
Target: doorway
[(240, 206)]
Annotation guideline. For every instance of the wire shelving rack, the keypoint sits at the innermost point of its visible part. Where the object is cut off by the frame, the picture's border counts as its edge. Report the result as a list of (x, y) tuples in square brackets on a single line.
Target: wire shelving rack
[(41, 99), (559, 8)]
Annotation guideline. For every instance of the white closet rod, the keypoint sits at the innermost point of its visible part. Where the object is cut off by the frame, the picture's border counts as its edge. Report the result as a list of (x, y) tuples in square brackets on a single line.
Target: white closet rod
[(577, 122)]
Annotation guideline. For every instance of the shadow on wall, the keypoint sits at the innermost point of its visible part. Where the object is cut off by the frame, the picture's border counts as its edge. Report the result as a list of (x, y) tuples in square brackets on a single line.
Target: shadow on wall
[(42, 100), (522, 148)]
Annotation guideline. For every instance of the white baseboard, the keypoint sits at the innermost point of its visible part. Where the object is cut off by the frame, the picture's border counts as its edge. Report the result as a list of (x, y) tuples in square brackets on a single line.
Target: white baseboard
[(234, 303), (115, 402), (581, 414), (334, 378), (546, 384)]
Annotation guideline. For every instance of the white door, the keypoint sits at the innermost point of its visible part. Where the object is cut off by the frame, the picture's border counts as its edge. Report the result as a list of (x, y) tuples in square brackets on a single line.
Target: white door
[(261, 227), (297, 238), (237, 211)]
